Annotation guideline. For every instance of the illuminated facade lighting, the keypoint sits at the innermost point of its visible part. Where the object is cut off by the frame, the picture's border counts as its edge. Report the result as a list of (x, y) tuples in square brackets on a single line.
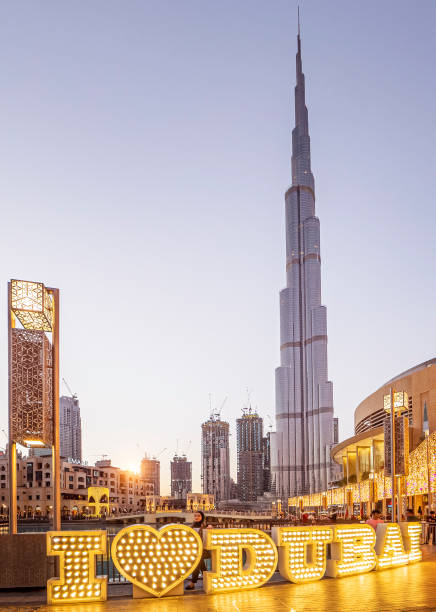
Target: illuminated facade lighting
[(302, 552), (156, 561), (32, 304), (352, 551), (228, 571), (77, 582), (421, 476)]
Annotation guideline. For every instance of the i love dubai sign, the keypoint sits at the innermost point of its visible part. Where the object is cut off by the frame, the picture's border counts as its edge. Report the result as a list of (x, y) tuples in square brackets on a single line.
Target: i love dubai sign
[(157, 562)]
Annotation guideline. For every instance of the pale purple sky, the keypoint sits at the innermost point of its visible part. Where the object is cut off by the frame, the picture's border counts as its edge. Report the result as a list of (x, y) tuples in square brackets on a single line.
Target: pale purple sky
[(144, 155)]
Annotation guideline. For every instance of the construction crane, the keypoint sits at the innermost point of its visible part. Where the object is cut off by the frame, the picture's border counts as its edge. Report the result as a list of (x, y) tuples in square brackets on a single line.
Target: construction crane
[(73, 395), (103, 456), (159, 454), (270, 422), (217, 414), (187, 448), (5, 434)]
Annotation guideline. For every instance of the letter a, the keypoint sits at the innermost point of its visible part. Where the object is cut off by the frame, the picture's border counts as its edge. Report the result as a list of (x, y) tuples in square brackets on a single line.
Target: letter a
[(389, 546)]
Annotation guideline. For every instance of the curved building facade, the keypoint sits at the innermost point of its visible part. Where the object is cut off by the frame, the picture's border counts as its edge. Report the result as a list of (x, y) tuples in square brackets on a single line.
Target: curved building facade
[(364, 452), (420, 384), (366, 480)]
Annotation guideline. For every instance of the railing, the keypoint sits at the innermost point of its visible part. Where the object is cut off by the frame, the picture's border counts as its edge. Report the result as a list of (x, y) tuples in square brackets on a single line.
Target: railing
[(105, 566)]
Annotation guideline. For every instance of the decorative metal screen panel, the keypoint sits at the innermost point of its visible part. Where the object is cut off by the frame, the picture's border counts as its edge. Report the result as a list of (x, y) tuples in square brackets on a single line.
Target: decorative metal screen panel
[(401, 446), (31, 387)]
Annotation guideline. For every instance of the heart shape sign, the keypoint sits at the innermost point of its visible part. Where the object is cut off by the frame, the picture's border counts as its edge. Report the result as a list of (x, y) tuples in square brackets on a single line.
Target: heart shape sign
[(156, 561)]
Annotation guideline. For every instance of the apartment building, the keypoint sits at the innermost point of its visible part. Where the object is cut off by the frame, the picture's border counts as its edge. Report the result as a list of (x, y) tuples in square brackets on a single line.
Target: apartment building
[(127, 490)]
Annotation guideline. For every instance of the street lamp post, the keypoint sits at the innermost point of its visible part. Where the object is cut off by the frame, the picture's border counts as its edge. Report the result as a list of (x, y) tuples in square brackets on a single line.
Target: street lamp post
[(396, 455), (392, 417)]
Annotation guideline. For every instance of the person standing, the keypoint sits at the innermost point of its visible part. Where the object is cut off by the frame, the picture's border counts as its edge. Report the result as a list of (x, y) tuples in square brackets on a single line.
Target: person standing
[(375, 519), (198, 525), (410, 517)]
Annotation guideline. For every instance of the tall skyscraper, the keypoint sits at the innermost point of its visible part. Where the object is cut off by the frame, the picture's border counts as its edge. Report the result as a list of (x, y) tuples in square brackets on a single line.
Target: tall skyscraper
[(181, 477), (70, 428), (150, 473), (304, 395), (215, 458), (266, 462), (249, 436)]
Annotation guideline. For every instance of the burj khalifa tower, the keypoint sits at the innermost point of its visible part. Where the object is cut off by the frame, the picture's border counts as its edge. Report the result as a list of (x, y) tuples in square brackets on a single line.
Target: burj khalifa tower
[(304, 396)]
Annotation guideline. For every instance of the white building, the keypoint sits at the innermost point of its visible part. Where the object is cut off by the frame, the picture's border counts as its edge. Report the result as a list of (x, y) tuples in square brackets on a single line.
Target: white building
[(70, 428), (304, 396)]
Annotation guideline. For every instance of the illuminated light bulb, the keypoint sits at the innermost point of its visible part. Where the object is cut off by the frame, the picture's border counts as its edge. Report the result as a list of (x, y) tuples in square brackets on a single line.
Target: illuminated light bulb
[(293, 545), (352, 550)]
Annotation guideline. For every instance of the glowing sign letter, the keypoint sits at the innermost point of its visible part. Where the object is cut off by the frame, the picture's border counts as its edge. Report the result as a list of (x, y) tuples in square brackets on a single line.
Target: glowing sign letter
[(302, 552), (352, 551), (77, 582), (411, 537), (241, 559), (156, 562), (389, 546)]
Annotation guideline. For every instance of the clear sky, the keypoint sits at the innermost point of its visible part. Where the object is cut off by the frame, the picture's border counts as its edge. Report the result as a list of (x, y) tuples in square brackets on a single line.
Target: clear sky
[(144, 156)]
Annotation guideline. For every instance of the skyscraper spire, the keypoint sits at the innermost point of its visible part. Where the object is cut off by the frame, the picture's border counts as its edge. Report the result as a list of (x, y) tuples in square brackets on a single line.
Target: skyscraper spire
[(301, 172), (304, 397)]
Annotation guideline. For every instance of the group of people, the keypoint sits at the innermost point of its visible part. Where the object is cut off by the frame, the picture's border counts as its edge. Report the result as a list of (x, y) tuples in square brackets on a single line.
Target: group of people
[(376, 517)]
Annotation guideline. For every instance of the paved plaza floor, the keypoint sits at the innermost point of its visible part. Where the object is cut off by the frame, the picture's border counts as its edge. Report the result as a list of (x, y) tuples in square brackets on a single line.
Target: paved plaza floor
[(406, 589)]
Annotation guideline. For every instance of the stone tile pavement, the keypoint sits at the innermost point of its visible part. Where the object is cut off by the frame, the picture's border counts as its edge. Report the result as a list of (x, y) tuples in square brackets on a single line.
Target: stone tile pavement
[(404, 589)]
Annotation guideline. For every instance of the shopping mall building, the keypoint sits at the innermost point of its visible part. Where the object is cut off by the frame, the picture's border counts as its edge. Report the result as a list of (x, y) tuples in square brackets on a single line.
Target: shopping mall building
[(364, 484)]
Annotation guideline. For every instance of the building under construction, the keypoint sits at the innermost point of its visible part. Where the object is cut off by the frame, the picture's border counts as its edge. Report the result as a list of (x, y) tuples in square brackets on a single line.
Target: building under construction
[(215, 458), (249, 433), (181, 477), (150, 473)]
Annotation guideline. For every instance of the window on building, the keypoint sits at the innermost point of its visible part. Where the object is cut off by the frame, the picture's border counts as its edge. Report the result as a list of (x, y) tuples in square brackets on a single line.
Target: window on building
[(71, 486), (47, 483), (49, 496), (37, 497), (425, 425), (39, 466), (30, 497), (70, 478)]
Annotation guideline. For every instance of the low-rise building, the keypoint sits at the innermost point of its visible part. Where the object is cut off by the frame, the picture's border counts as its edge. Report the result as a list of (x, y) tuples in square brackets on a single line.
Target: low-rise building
[(199, 501), (127, 490)]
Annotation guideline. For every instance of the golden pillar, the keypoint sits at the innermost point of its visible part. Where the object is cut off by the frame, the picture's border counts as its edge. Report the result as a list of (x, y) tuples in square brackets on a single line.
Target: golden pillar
[(33, 311)]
